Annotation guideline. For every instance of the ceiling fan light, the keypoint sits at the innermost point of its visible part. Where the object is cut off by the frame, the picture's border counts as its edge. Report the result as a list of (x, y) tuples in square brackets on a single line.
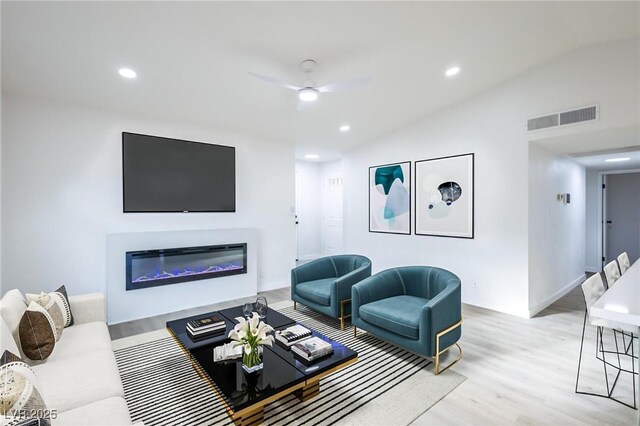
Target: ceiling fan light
[(308, 94)]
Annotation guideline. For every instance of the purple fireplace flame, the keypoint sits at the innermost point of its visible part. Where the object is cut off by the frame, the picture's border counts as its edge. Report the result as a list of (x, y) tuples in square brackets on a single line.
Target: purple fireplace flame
[(163, 275)]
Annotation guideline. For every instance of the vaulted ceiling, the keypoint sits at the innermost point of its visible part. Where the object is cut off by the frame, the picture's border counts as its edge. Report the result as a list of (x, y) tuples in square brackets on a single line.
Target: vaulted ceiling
[(192, 58)]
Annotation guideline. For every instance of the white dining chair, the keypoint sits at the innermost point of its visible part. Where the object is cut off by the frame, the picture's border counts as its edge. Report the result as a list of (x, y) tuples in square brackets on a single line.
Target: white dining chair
[(623, 262), (593, 288), (612, 273)]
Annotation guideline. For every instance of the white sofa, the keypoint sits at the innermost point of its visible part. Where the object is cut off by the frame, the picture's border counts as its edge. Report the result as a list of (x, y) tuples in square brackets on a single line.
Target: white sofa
[(80, 379)]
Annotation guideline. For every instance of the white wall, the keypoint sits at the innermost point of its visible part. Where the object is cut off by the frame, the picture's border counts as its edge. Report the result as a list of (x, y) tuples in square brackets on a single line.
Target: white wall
[(331, 166), (62, 194), (556, 229), (493, 266), (309, 209), (593, 186)]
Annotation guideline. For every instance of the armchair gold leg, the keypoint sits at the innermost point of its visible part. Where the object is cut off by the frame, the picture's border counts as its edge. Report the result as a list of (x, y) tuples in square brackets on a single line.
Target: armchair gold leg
[(295, 305), (440, 352), (355, 331), (342, 315)]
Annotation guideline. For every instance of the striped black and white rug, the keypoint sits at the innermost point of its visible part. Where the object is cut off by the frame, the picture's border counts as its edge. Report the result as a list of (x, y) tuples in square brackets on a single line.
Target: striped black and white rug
[(387, 385)]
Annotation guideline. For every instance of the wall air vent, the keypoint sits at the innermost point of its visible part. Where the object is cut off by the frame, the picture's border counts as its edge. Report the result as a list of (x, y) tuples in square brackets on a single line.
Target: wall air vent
[(578, 115), (563, 118), (542, 122)]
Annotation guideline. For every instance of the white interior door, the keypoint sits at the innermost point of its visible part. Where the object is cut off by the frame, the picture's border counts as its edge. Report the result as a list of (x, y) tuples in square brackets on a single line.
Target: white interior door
[(332, 231), (622, 216), (297, 207)]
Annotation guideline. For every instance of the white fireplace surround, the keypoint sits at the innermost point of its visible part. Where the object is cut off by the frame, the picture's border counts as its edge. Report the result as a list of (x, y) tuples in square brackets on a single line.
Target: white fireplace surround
[(125, 305)]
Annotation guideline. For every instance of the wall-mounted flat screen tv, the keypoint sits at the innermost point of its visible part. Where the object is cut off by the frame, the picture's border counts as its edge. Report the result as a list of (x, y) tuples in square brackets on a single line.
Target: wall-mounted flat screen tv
[(172, 175)]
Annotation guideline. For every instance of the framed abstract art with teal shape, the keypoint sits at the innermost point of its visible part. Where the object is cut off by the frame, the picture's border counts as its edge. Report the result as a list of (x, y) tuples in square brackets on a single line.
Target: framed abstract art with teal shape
[(444, 196), (390, 198)]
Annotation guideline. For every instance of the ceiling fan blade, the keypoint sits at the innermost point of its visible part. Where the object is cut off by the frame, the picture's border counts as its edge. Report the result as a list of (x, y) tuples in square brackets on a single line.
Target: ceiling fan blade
[(275, 81), (345, 85)]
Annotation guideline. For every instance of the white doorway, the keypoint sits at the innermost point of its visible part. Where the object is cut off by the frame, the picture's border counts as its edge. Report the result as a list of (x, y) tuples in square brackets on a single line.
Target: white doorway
[(332, 220)]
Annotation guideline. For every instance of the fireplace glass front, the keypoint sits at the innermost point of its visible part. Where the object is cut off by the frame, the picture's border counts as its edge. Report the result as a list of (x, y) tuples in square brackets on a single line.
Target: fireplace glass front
[(152, 268)]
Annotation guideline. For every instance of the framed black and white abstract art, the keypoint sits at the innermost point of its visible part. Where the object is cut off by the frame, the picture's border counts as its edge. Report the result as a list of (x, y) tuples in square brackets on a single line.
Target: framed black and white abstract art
[(390, 198), (444, 191)]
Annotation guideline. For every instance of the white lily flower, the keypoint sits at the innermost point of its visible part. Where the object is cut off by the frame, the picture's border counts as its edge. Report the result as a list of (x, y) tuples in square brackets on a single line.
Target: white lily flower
[(253, 323), (266, 341), (233, 335)]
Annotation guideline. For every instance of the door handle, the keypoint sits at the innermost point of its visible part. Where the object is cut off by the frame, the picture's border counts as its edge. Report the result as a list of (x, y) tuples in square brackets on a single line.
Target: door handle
[(609, 222)]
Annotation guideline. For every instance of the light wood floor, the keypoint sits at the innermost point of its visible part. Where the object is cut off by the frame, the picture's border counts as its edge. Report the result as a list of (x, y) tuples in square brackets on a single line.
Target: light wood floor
[(523, 371), (520, 371)]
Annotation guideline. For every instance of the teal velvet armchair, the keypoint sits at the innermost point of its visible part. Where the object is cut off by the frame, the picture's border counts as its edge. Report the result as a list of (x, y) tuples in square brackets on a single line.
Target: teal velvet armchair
[(416, 307), (324, 284)]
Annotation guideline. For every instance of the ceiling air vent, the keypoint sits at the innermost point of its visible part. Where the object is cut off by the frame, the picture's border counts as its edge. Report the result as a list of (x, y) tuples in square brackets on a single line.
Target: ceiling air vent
[(563, 118)]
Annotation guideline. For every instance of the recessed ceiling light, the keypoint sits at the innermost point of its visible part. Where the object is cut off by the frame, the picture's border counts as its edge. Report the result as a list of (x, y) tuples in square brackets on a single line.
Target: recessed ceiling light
[(308, 94), (345, 128), (452, 71), (615, 160), (127, 73), (311, 156)]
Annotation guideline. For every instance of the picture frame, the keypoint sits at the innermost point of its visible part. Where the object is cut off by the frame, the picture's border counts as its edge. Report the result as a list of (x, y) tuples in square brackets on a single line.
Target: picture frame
[(445, 196), (390, 198)]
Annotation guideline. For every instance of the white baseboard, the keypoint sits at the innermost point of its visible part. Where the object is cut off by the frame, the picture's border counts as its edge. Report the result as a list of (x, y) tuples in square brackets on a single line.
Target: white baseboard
[(592, 269), (534, 310)]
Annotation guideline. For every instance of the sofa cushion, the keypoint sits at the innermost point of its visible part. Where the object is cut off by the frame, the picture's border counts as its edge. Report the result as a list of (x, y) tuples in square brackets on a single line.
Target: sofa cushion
[(318, 291), (8, 343), (12, 307), (76, 381), (397, 314), (80, 339), (38, 333), (108, 412)]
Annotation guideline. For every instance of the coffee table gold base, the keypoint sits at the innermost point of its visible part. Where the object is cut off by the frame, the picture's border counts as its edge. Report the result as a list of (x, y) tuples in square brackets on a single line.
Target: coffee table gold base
[(309, 391), (249, 418)]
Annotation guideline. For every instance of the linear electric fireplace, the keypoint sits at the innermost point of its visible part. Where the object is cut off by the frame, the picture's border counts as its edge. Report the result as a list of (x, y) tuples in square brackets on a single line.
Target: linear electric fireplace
[(152, 268)]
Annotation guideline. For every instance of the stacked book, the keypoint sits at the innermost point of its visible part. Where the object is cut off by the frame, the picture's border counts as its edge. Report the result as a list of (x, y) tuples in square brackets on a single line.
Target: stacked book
[(204, 328), (312, 348), (292, 335)]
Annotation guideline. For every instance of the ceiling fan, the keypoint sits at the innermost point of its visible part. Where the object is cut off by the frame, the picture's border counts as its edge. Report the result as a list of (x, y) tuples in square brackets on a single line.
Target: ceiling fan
[(308, 92)]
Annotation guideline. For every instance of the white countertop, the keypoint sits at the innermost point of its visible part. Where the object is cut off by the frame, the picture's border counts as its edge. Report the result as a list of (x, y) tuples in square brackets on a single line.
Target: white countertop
[(621, 303)]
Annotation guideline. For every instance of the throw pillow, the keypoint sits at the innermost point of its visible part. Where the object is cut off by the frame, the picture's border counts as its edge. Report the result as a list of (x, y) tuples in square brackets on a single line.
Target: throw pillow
[(37, 332), (60, 298), (48, 302), (33, 421), (20, 393)]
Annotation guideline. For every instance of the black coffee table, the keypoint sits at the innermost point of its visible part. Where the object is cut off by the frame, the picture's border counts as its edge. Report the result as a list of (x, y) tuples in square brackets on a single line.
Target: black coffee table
[(244, 394)]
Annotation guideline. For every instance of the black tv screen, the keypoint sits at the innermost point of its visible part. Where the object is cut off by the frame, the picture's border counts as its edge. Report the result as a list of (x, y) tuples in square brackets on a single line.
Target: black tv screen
[(172, 175)]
